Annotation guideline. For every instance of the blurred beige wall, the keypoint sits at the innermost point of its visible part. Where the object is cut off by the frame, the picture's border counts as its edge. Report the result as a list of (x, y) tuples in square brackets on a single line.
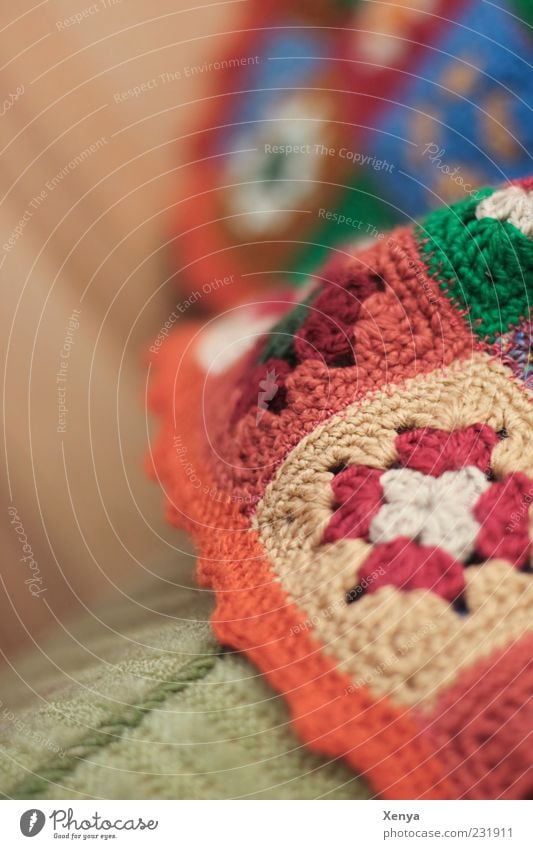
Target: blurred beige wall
[(86, 178)]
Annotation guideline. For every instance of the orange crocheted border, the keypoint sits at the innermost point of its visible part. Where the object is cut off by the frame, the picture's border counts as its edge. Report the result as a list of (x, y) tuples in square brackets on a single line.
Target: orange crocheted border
[(254, 615)]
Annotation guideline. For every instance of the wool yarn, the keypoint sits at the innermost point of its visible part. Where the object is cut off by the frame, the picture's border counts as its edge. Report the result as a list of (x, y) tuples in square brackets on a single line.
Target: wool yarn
[(157, 710), (327, 122), (359, 485)]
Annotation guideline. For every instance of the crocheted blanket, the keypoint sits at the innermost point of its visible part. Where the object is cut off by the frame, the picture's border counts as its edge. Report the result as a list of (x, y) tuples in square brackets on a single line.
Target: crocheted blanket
[(152, 707), (356, 468)]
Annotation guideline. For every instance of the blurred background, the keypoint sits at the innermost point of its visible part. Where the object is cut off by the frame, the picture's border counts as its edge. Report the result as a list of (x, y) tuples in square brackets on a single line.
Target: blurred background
[(87, 175), (143, 152)]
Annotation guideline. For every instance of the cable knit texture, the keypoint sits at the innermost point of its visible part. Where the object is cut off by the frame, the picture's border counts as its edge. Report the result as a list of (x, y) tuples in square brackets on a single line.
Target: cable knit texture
[(359, 485), (157, 710)]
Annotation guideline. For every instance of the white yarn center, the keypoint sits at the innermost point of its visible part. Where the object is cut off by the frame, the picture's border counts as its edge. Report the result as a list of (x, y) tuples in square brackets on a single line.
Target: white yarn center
[(432, 511), (512, 204)]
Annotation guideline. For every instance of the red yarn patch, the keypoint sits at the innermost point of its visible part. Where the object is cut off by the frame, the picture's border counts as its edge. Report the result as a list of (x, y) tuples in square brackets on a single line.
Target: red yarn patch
[(483, 727), (406, 565), (264, 387), (503, 512), (433, 451), (328, 333), (358, 497)]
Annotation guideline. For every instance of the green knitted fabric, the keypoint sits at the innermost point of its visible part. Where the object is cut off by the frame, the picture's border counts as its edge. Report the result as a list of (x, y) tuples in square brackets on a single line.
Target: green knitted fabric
[(161, 712), (280, 340), (53, 775), (225, 735), (474, 260)]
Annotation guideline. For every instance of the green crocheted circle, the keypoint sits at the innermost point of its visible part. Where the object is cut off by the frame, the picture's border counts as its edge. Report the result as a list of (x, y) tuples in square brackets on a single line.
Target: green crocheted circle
[(485, 266)]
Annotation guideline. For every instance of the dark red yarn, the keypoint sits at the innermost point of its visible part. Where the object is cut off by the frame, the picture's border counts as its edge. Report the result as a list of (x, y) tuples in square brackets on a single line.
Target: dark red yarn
[(358, 496), (483, 726), (433, 451), (503, 512), (251, 387), (406, 565), (328, 333)]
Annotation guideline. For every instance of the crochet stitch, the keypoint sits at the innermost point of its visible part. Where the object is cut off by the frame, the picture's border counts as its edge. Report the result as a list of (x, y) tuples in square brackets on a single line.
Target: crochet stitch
[(162, 713), (359, 484), (474, 247)]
